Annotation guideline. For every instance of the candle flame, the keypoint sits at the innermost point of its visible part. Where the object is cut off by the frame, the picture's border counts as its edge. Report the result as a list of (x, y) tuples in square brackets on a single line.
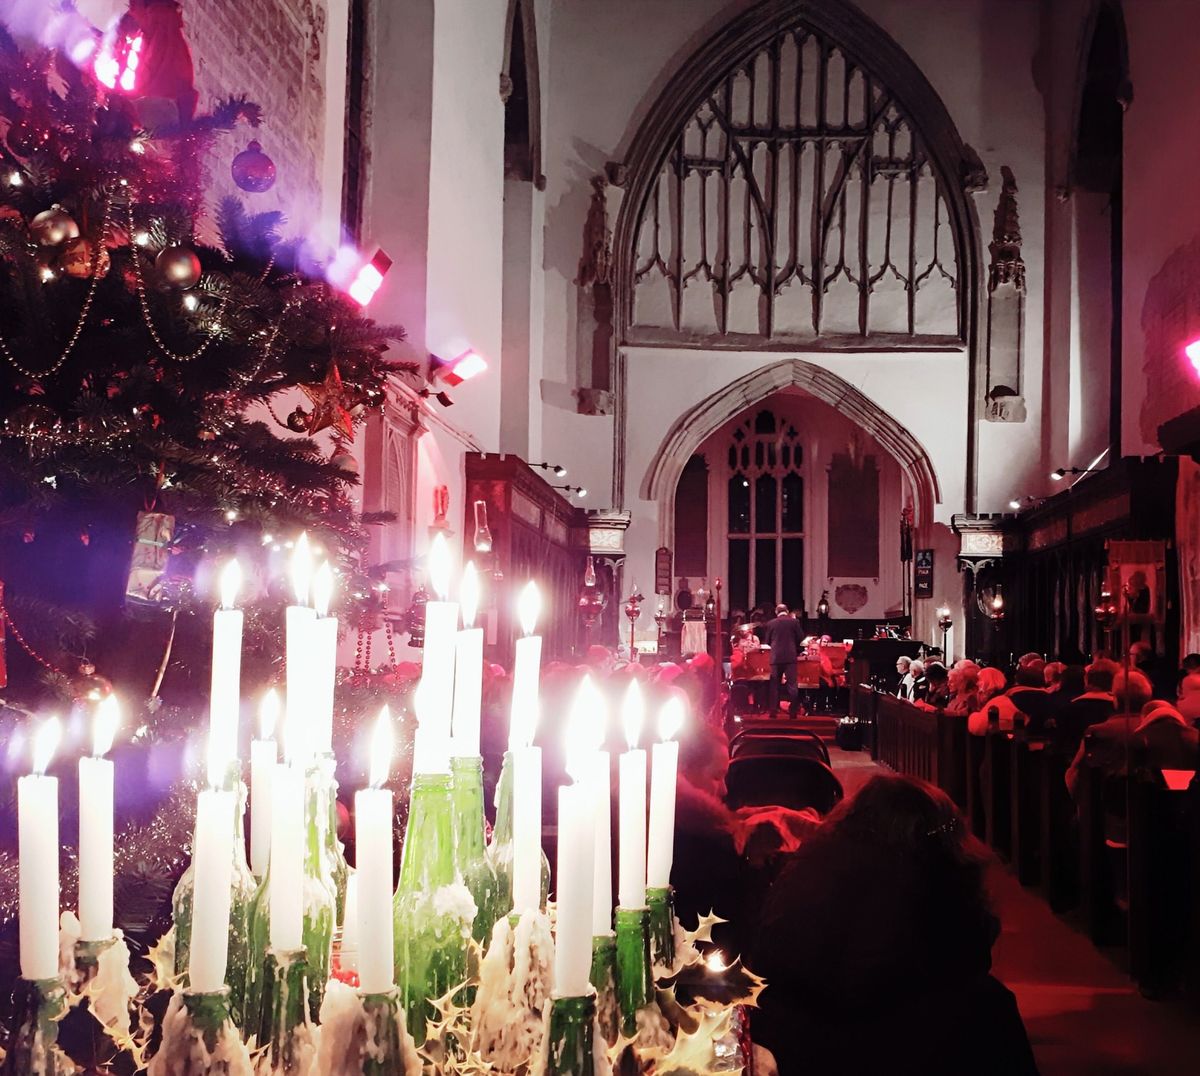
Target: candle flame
[(438, 561), (302, 569), (268, 714), (585, 729), (45, 743), (670, 718), (715, 961), (381, 748), (231, 583), (322, 588), (633, 713), (104, 726), (468, 594), (529, 605)]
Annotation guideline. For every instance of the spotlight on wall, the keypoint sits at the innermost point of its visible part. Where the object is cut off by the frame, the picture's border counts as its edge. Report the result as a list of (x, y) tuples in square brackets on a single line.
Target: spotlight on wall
[(1062, 472), (576, 491), (455, 371), (369, 277), (1059, 475), (1015, 505), (442, 397), (1192, 351), (559, 470)]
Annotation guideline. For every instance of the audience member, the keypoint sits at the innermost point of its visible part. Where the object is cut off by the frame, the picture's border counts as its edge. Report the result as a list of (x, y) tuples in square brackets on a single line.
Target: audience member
[(916, 689), (1053, 671), (1189, 698), (1025, 703), (1094, 706), (964, 689), (904, 668), (876, 942), (937, 687), (1142, 657)]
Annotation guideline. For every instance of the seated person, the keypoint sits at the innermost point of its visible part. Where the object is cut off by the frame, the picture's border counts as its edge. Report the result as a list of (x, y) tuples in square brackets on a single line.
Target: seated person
[(1095, 705), (937, 687), (963, 681), (1188, 702), (1014, 707), (904, 668), (1142, 732), (876, 944), (916, 690)]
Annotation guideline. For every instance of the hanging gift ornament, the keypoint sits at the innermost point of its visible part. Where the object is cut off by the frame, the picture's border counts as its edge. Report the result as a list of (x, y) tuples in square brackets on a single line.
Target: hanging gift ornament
[(54, 226), (79, 259), (178, 266), (253, 170)]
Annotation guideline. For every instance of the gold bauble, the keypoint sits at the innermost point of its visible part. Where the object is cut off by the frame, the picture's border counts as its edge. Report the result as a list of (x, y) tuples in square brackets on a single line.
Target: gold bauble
[(178, 266), (54, 226)]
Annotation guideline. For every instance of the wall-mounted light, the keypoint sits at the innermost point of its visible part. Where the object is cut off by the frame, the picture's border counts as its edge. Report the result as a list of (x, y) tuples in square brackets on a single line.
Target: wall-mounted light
[(559, 470), (577, 491), (1062, 472), (455, 371), (369, 278), (1192, 351), (442, 397)]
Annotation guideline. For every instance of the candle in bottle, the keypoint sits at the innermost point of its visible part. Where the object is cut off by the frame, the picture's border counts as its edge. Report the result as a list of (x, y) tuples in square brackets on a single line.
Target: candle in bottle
[(287, 851), (601, 783), (468, 669), (664, 768), (527, 655), (96, 827), (324, 659), (212, 858), (300, 619), (576, 846), (373, 838), (37, 828), (441, 628), (264, 754), (631, 892), (225, 698)]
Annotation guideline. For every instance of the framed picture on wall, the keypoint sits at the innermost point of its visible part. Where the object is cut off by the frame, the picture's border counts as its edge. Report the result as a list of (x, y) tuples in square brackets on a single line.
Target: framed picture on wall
[(923, 574), (662, 570), (1137, 579)]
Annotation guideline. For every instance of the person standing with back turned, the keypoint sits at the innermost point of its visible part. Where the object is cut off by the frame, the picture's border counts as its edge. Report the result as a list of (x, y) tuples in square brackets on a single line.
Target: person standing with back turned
[(784, 636)]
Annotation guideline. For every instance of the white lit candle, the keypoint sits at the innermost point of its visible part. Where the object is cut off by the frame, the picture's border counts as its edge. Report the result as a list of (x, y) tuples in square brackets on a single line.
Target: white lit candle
[(527, 806), (373, 841), (264, 755), (527, 656), (601, 782), (441, 628), (349, 955), (300, 620), (324, 659), (212, 860), (287, 856), (37, 828), (468, 669), (576, 846), (96, 827), (225, 698), (631, 891), (664, 768)]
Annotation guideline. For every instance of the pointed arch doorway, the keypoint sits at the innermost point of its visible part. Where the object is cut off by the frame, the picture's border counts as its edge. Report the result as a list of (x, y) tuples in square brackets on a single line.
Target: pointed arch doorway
[(790, 483)]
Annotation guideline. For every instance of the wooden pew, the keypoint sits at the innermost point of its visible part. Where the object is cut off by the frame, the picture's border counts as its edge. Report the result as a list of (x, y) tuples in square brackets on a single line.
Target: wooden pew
[(951, 752), (1059, 840), (995, 780), (973, 763), (1026, 755), (1096, 895)]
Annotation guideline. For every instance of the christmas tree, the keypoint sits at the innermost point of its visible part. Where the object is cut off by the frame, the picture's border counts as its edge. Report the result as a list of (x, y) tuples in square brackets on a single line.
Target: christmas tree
[(147, 343)]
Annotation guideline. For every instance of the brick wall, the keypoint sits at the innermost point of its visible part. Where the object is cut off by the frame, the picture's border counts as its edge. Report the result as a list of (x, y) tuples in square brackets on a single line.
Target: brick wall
[(273, 51)]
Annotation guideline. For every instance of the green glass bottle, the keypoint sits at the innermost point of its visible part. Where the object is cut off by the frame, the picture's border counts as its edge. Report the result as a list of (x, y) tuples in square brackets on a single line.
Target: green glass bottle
[(285, 1028), (501, 848), (571, 1037), (243, 888), (383, 1052), (433, 921), (661, 902), (336, 867), (474, 865), (635, 982), (37, 1007), (603, 978)]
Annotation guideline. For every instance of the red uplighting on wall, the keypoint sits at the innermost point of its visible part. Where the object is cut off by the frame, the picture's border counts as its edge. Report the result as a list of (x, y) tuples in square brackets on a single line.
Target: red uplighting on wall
[(1192, 351)]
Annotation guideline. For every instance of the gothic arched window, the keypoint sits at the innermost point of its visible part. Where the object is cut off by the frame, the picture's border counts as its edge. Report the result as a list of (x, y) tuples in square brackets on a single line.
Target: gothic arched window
[(765, 524), (788, 193)]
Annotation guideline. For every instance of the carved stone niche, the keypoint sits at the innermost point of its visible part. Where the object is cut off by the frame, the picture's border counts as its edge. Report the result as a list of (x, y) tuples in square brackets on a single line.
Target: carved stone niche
[(1005, 311)]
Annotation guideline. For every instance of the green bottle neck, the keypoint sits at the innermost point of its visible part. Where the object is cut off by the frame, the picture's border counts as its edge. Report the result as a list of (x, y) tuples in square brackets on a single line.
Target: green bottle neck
[(503, 832), (467, 775), (427, 860)]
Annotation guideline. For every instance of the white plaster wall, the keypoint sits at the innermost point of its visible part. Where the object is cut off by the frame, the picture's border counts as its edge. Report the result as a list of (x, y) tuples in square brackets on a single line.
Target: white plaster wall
[(610, 61)]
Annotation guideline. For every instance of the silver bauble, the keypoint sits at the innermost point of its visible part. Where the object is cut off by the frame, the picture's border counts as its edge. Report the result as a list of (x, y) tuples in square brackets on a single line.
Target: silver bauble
[(54, 226), (345, 462), (178, 266)]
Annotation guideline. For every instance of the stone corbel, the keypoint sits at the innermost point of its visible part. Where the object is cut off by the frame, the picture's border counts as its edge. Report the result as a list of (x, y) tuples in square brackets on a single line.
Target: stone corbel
[(594, 401)]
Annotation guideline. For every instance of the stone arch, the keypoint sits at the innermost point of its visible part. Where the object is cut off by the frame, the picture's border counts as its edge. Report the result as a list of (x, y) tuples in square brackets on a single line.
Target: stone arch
[(521, 88), (692, 428), (699, 92)]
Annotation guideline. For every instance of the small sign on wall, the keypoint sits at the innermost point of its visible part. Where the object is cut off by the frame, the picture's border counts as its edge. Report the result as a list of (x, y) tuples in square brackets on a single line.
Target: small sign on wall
[(662, 570), (923, 574)]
